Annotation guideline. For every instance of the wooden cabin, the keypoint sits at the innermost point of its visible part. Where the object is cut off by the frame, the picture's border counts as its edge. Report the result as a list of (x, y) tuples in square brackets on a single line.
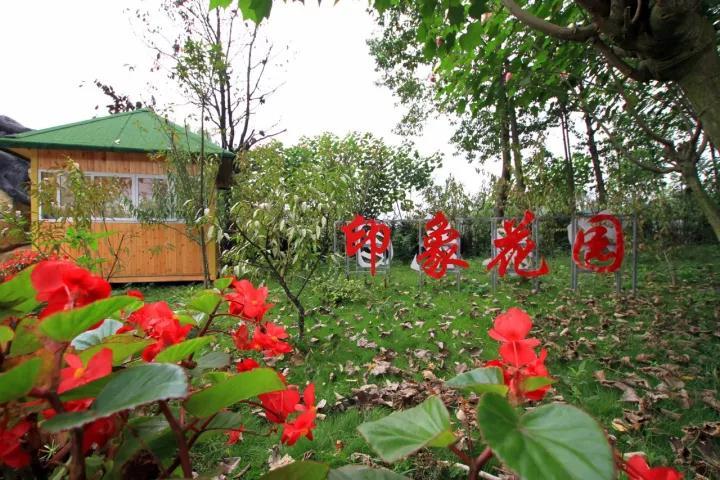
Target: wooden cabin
[(128, 149)]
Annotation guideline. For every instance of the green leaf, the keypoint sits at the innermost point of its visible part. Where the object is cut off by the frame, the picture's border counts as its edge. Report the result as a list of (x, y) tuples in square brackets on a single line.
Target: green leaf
[(19, 380), (232, 390), (26, 338), (205, 302), (139, 432), (552, 441), (6, 334), (530, 384), (17, 296), (480, 380), (219, 3), (255, 10), (222, 283), (473, 37), (477, 8), (139, 385), (66, 325), (182, 350), (403, 433), (89, 390), (456, 14), (122, 346), (299, 471), (95, 336), (362, 472), (212, 360)]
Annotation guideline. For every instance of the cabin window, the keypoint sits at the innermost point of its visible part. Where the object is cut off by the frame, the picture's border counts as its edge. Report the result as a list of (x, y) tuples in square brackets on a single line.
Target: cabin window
[(137, 191)]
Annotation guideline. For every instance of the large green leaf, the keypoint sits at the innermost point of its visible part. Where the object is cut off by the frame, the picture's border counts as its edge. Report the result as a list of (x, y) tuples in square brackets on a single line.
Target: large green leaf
[(122, 346), (127, 389), (17, 296), (26, 337), (362, 472), (255, 10), (179, 351), (480, 380), (403, 433), (205, 302), (232, 390), (6, 334), (222, 283), (96, 335), (211, 360), (138, 433), (299, 471), (19, 380), (66, 325), (550, 442)]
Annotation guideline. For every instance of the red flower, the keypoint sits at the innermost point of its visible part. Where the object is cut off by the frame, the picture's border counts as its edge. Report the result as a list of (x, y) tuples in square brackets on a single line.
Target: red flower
[(268, 338), (514, 377), (97, 433), (135, 293), (511, 328), (10, 452), (241, 337), (278, 405), (246, 364), (637, 468), (69, 406), (248, 301), (235, 435), (76, 374), (64, 285), (304, 423), (160, 323)]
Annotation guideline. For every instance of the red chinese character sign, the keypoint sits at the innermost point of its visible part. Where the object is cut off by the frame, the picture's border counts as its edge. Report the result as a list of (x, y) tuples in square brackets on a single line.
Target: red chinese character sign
[(369, 240), (514, 246), (440, 248), (599, 246)]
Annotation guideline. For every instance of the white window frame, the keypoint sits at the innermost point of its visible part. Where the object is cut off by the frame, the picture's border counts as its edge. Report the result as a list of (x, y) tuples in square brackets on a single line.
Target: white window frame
[(134, 188)]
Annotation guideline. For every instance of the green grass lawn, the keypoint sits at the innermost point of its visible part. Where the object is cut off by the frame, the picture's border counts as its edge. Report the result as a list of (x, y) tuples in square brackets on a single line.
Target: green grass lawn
[(662, 345)]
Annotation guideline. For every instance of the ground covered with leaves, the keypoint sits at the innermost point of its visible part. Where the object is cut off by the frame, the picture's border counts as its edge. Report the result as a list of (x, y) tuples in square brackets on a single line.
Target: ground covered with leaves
[(645, 366)]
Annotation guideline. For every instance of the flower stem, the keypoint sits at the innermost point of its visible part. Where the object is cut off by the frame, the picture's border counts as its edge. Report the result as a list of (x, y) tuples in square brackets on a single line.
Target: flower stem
[(183, 451)]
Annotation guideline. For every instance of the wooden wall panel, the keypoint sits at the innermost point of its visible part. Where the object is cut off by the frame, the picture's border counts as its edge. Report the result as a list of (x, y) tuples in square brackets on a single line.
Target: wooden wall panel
[(146, 253)]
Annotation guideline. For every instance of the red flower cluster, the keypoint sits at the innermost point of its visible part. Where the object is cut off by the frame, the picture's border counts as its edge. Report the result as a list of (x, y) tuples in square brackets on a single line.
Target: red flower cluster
[(267, 338), (64, 285), (11, 453), (158, 322), (76, 374), (518, 360), (281, 404), (248, 301), (17, 262), (637, 468)]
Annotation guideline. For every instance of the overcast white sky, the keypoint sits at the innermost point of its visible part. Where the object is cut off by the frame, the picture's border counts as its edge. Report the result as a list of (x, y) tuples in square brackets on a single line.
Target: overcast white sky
[(52, 48)]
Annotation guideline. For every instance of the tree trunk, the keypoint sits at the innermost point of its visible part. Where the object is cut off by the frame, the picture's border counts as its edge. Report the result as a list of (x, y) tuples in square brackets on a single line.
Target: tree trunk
[(709, 208), (592, 148), (503, 183), (516, 149), (569, 169), (701, 85)]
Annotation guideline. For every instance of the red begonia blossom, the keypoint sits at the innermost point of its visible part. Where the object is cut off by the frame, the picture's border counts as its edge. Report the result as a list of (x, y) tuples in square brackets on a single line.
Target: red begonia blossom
[(63, 286), (77, 374), (278, 405), (637, 468), (136, 293), (246, 364), (241, 337), (268, 338), (97, 433), (514, 377), (11, 452), (69, 406), (510, 329), (303, 424), (248, 301), (235, 435), (158, 321)]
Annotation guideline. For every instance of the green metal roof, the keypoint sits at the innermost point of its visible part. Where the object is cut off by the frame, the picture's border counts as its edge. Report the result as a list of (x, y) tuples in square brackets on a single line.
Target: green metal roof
[(136, 131)]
